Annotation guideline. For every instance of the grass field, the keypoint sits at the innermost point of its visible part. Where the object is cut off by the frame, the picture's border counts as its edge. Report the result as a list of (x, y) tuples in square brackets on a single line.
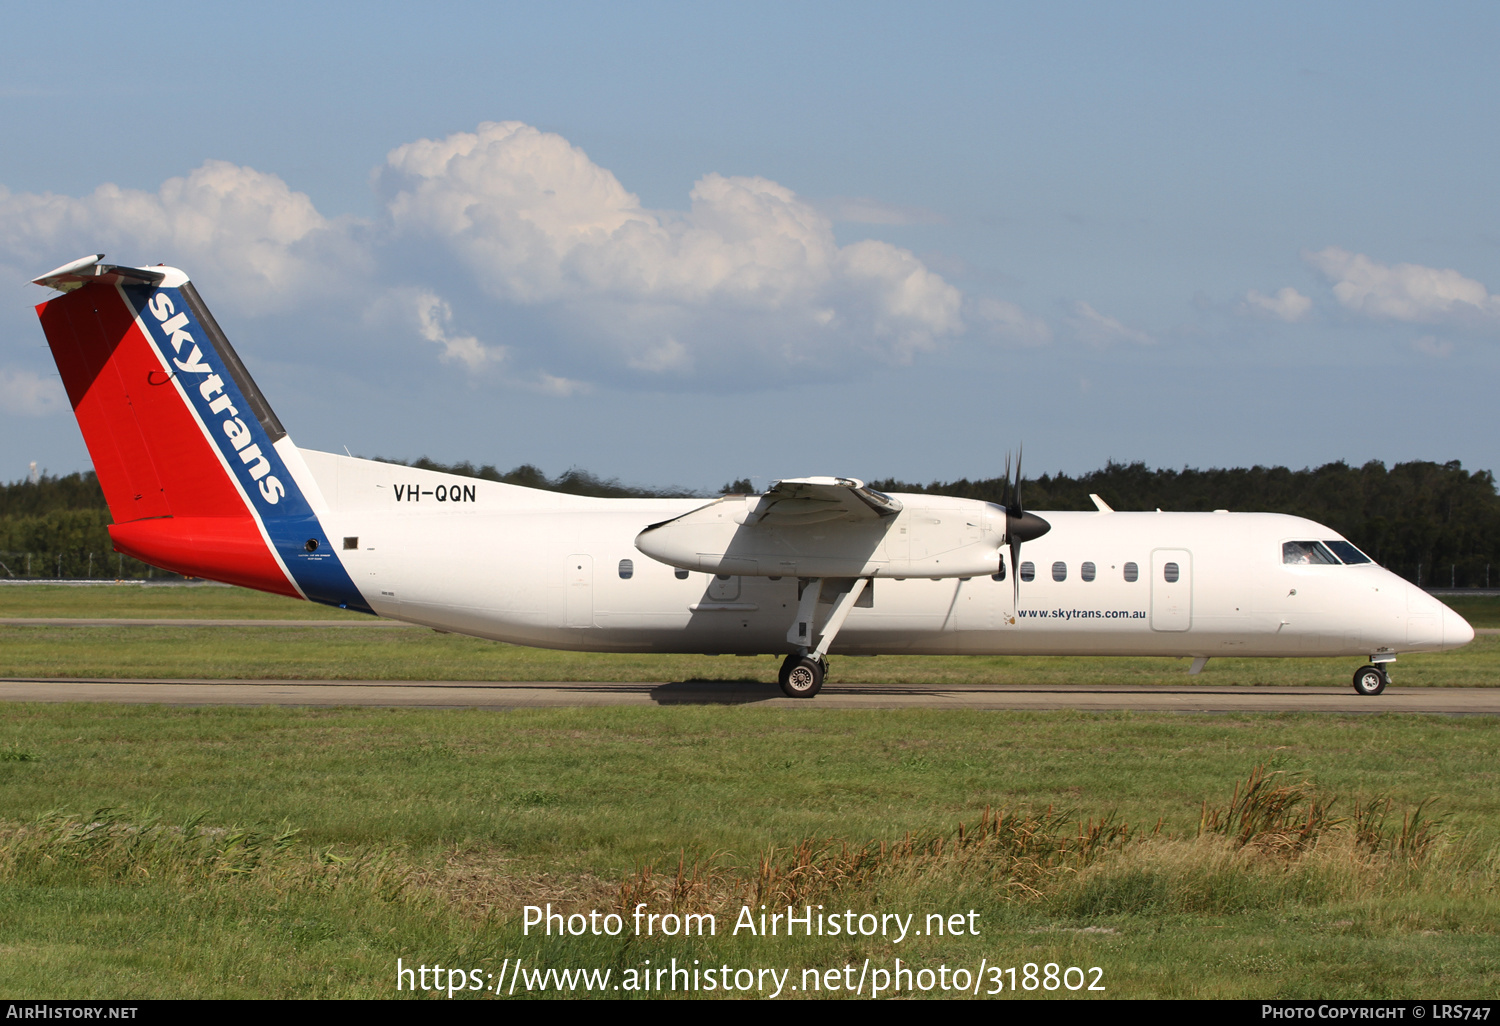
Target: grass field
[(423, 833), (278, 852), (298, 653)]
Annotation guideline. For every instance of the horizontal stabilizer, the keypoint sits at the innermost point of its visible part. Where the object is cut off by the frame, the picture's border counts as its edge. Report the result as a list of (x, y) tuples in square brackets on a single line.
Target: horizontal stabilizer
[(81, 272)]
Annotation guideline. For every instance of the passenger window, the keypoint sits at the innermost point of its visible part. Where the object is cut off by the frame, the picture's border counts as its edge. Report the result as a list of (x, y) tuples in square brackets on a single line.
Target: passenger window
[(1307, 552), (1132, 573), (1170, 572), (627, 569), (681, 575), (1087, 571), (1059, 571), (1028, 571), (1001, 575), (1348, 553)]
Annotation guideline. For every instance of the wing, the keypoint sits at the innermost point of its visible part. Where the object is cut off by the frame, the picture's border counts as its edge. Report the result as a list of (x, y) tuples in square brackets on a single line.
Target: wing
[(813, 500)]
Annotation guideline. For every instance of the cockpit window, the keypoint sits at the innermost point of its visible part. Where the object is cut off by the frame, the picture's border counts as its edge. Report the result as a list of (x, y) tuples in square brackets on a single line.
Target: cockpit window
[(1348, 553), (1305, 552)]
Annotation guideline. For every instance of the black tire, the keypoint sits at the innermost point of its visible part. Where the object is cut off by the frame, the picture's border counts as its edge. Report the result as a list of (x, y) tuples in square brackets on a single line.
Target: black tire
[(1370, 680), (801, 676)]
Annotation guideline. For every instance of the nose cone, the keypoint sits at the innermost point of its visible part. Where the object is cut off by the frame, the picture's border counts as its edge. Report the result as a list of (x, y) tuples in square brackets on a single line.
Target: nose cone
[(1456, 630)]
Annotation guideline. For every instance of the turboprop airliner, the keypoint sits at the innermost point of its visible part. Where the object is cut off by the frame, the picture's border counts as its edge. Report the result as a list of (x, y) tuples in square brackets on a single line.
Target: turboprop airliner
[(202, 480)]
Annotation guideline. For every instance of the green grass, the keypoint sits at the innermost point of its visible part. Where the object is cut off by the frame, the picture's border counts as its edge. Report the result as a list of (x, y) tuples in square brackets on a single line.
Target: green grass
[(153, 601), (311, 653), (282, 852), (421, 834), (1480, 611)]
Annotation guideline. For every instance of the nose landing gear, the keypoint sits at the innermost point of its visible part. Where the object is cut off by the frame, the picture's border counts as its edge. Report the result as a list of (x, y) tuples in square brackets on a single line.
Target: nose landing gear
[(1371, 680)]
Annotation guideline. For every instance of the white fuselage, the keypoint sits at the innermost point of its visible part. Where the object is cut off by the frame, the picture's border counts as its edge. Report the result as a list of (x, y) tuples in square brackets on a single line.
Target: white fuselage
[(559, 571)]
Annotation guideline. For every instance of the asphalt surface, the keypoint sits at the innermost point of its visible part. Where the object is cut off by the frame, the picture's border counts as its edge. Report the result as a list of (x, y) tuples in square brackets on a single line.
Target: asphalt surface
[(517, 695)]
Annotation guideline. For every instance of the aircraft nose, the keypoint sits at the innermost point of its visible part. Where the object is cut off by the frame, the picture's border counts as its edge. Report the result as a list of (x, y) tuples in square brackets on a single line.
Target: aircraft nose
[(1456, 630)]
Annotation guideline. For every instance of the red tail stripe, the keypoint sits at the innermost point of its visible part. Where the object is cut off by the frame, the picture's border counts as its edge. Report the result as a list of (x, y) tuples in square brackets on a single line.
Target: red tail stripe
[(228, 549)]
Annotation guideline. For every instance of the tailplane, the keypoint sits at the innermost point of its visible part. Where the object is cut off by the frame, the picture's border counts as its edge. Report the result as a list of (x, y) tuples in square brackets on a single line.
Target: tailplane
[(199, 474)]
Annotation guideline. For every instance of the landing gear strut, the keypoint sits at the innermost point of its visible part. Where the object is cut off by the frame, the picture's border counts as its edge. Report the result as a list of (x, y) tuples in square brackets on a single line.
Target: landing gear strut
[(1371, 680), (802, 675), (803, 671)]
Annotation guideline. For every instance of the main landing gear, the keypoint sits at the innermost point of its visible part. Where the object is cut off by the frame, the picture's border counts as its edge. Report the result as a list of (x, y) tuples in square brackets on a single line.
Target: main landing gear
[(1371, 680), (802, 675), (803, 671)]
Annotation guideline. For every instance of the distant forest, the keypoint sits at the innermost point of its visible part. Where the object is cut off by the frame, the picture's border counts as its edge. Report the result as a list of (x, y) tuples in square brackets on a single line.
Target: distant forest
[(1434, 523)]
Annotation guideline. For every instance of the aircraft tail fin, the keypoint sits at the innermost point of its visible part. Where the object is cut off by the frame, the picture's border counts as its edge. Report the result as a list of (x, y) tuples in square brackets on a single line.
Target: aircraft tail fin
[(198, 472)]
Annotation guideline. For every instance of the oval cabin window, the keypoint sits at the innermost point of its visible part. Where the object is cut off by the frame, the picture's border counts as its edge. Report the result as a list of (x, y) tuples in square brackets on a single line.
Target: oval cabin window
[(1087, 571), (1059, 571), (1028, 571), (1132, 573), (627, 569), (1170, 572), (681, 575)]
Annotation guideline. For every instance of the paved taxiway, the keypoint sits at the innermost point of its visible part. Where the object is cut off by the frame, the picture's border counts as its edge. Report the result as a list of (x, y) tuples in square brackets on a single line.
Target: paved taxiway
[(516, 695)]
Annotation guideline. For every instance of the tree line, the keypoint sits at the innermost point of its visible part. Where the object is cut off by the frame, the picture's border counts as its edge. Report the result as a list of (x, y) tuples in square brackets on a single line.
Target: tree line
[(1434, 523)]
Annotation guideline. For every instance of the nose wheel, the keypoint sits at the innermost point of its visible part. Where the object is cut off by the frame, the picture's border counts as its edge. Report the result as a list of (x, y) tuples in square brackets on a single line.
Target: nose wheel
[(1371, 680), (802, 675)]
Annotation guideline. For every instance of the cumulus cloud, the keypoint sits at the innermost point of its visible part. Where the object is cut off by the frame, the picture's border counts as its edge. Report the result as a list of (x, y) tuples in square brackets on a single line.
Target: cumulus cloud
[(1287, 304), (1093, 327), (747, 285), (27, 394), (1406, 292), (1009, 323), (264, 245), (433, 318), (1431, 345), (749, 269)]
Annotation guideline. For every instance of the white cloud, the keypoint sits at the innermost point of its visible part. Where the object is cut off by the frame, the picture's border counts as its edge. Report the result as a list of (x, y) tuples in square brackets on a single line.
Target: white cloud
[(262, 244), (1287, 304), (28, 394), (551, 384), (750, 273), (1009, 323), (670, 355), (1091, 326), (748, 285), (1431, 345), (433, 318), (1406, 292)]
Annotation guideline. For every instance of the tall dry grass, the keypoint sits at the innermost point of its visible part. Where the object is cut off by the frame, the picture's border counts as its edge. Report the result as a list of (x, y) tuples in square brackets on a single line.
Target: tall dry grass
[(1276, 840)]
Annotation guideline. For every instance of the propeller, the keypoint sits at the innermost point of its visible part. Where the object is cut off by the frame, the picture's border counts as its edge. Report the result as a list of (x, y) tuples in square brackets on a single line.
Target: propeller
[(1020, 526)]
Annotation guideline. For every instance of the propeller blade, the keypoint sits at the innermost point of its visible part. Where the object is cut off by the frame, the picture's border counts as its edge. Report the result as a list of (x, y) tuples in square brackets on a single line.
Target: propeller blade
[(1020, 526), (1020, 452), (1015, 570)]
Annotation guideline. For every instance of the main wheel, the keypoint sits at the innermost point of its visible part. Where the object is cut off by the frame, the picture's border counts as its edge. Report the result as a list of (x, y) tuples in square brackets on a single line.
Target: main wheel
[(1370, 680), (801, 676)]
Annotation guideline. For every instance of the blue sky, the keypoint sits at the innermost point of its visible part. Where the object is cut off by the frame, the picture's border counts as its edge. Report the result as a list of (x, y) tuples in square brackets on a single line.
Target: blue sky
[(680, 244)]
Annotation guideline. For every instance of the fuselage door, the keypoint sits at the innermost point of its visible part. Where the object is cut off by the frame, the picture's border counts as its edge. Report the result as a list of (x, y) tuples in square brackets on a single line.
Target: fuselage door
[(580, 591), (1171, 589)]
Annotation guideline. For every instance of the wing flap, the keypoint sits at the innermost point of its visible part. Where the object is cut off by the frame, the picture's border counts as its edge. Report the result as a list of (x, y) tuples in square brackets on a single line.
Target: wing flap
[(813, 500)]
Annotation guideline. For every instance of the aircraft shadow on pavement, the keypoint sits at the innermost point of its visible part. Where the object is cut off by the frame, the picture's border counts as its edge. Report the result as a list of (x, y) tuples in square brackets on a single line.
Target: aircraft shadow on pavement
[(714, 692)]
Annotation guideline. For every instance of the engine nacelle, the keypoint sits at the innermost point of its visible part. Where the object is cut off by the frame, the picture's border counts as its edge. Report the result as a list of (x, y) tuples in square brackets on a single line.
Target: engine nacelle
[(931, 536)]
